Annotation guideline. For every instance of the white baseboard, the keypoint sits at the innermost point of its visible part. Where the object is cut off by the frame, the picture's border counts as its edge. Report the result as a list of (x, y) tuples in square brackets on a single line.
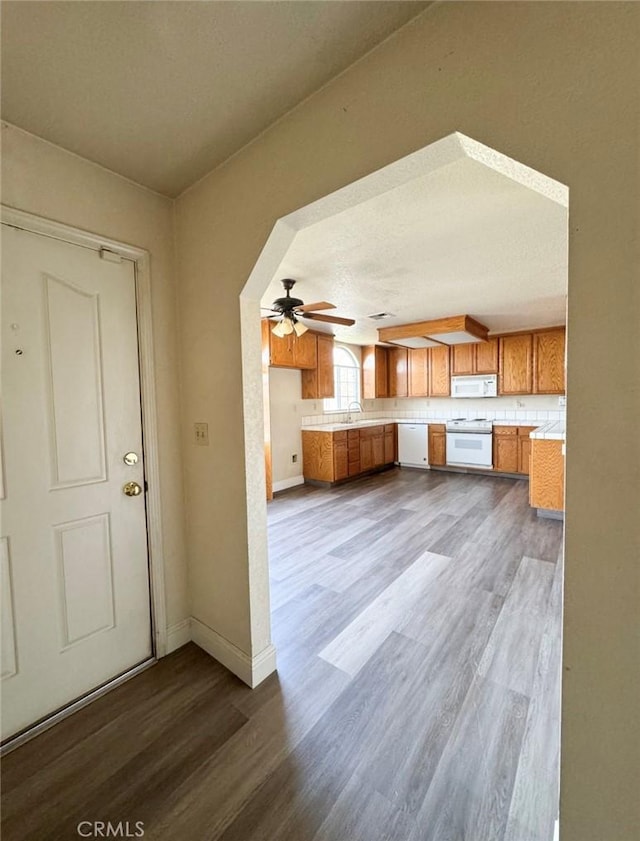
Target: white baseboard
[(285, 484), (178, 635), (250, 670), (556, 830)]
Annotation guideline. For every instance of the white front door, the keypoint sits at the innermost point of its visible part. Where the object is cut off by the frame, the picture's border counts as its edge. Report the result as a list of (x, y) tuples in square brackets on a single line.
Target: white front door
[(73, 546)]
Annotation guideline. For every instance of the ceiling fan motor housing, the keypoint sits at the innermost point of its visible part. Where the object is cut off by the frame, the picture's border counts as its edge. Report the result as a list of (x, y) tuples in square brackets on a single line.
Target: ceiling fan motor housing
[(287, 303)]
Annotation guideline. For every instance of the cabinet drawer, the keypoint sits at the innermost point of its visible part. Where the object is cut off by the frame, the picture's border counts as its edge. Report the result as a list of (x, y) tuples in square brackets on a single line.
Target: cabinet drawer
[(505, 430), (340, 437)]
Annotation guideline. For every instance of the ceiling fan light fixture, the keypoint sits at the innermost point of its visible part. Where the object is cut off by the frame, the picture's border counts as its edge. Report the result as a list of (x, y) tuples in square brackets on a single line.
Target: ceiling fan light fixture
[(283, 328), (300, 328)]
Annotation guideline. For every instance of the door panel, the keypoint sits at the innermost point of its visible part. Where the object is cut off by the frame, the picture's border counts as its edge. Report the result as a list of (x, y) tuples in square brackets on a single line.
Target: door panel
[(76, 579)]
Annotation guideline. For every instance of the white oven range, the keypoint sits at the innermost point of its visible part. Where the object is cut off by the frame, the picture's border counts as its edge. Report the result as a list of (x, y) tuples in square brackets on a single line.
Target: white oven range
[(470, 443)]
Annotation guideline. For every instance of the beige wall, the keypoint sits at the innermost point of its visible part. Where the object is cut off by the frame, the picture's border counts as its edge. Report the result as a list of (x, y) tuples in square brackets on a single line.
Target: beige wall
[(555, 86), (40, 178)]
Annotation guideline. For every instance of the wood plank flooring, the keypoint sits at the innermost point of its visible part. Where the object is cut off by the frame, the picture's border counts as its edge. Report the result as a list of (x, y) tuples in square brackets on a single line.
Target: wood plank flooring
[(416, 617)]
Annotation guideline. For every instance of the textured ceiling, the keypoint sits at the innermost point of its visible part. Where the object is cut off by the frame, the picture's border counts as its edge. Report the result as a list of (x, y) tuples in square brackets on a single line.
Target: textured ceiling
[(464, 239), (162, 92)]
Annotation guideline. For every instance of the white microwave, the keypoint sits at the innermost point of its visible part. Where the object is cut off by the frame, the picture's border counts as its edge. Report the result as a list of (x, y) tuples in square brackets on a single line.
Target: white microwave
[(481, 386)]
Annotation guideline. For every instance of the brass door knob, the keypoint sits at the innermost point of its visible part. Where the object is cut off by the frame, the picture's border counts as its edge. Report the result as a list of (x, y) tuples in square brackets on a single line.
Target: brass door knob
[(132, 489)]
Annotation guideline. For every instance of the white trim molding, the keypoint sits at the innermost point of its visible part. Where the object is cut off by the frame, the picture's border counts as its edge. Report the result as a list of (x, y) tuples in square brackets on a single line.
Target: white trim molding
[(250, 670), (140, 257), (178, 634), (285, 484)]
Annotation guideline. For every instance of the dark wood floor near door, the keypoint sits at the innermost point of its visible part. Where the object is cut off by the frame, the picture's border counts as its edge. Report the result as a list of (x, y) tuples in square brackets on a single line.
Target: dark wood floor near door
[(417, 621)]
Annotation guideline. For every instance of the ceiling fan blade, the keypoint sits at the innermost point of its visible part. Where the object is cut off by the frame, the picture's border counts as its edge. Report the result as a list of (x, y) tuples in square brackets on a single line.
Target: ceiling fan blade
[(331, 319), (321, 305)]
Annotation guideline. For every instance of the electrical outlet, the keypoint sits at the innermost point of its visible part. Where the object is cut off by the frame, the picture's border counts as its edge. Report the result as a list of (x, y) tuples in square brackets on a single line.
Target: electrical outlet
[(294, 458), (202, 434), (562, 401)]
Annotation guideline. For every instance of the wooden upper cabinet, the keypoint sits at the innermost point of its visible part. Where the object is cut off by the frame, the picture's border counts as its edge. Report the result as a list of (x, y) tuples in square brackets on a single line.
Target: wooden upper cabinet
[(290, 351), (281, 350), (486, 357), (318, 383), (474, 358), (463, 359), (439, 372), (548, 362), (516, 364), (375, 372), (305, 353), (398, 372), (418, 372)]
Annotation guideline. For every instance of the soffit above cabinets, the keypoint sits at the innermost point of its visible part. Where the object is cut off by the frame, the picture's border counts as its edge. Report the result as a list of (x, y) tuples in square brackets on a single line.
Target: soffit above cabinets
[(454, 330)]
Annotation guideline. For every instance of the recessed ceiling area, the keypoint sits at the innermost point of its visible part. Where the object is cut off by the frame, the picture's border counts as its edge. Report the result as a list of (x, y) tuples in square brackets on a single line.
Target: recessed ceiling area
[(463, 239), (163, 92)]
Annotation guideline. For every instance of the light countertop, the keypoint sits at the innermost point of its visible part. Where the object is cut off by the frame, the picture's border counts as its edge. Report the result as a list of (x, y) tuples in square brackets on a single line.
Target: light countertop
[(554, 430)]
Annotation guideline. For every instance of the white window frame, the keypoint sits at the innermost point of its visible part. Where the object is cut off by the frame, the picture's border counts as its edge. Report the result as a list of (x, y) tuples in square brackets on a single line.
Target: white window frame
[(342, 373)]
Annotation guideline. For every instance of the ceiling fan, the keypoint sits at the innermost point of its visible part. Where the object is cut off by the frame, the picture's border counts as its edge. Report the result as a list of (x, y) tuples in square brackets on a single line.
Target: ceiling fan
[(289, 309)]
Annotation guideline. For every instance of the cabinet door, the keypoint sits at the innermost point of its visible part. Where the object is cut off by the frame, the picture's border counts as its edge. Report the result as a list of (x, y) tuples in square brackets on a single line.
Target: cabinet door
[(439, 372), (368, 372), (548, 362), (375, 377), (437, 445), (318, 383), (524, 454), (304, 350), (326, 385), (353, 444), (382, 372), (486, 353), (505, 452), (516, 364), (418, 372), (366, 453), (389, 443), (462, 359), (398, 372), (340, 459), (317, 455), (281, 351), (378, 447)]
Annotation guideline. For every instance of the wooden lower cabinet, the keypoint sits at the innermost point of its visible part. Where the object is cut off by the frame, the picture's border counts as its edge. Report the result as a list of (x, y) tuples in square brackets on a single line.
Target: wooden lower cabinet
[(390, 444), (335, 456), (524, 448), (511, 448), (340, 456), (546, 480), (437, 445), (505, 449), (353, 446)]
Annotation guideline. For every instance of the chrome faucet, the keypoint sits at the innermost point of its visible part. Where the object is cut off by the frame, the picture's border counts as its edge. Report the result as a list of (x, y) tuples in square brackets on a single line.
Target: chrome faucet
[(353, 403)]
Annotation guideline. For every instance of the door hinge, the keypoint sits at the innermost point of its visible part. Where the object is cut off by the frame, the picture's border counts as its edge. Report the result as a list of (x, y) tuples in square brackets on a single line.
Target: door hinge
[(146, 486), (110, 256)]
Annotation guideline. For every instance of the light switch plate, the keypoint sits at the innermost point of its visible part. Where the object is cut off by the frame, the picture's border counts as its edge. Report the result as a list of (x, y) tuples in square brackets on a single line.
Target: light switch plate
[(202, 434)]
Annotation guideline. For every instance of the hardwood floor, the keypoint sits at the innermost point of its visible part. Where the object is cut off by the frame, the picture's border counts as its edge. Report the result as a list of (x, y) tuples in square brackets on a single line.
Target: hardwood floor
[(416, 617)]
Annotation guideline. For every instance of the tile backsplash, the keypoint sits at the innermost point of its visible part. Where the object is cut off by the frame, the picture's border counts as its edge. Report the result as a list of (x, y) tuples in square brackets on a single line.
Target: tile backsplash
[(536, 408)]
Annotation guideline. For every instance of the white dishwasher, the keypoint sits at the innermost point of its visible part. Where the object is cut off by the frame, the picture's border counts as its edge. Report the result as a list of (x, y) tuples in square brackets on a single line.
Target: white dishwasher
[(413, 446)]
